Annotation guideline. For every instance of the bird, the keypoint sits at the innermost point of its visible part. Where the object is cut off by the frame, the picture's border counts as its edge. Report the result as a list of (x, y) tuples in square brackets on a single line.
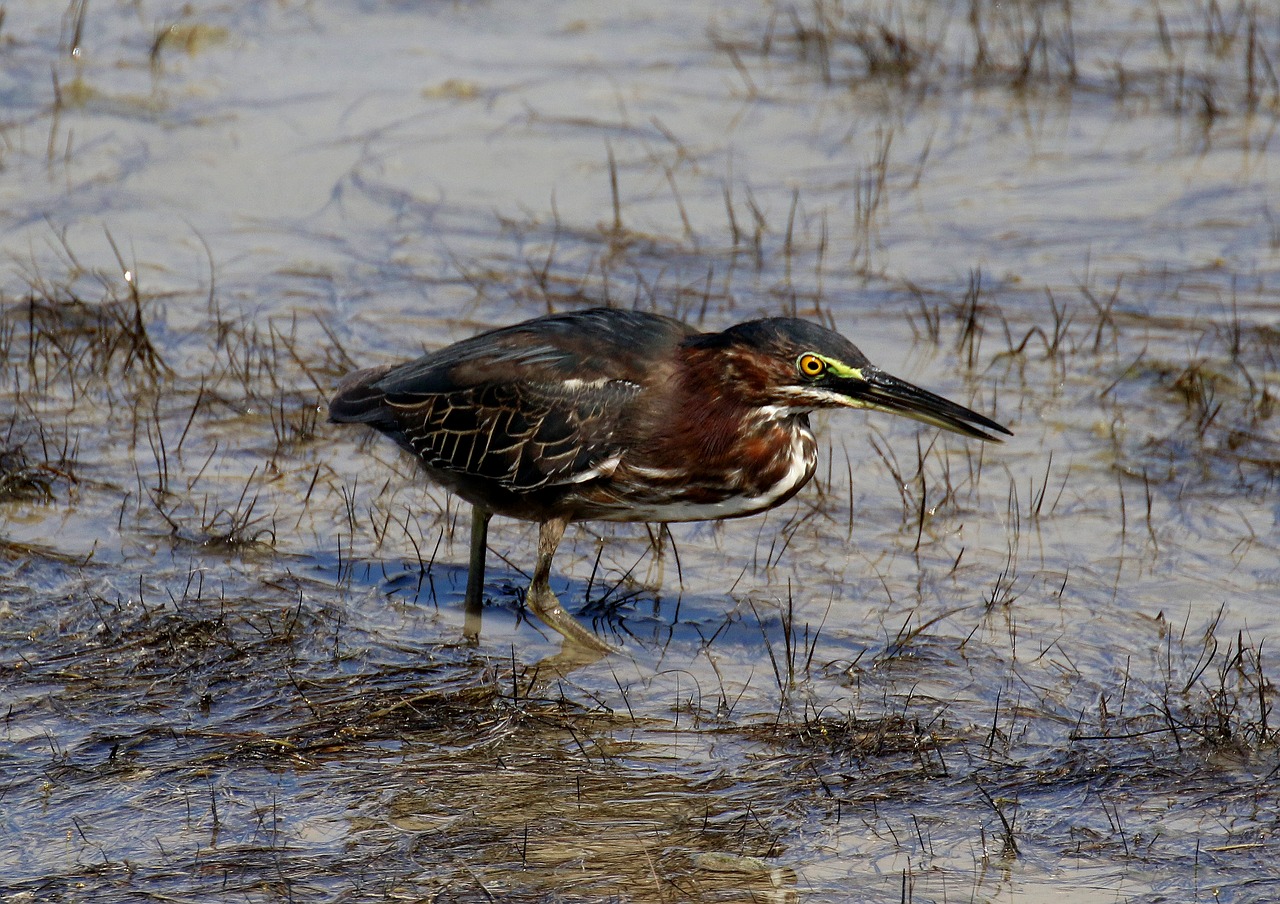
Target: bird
[(622, 415)]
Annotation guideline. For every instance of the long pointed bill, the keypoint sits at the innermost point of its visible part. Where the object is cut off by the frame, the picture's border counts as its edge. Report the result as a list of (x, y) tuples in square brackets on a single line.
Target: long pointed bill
[(874, 389)]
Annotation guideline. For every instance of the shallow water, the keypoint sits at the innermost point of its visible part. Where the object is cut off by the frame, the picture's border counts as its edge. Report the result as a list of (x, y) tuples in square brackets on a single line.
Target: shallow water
[(230, 635)]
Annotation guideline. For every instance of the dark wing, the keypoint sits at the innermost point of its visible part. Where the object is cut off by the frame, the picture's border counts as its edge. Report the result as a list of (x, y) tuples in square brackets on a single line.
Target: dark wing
[(535, 405), (522, 436)]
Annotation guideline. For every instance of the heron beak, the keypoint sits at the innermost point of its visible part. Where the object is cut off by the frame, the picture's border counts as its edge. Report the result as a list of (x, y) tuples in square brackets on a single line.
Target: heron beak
[(871, 388)]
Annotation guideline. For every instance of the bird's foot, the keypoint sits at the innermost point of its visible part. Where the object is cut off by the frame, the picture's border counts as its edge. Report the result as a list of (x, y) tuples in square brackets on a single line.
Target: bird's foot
[(545, 605)]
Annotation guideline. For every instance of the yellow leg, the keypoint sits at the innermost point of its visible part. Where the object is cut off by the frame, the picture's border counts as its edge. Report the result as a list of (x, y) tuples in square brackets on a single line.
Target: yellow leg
[(544, 603)]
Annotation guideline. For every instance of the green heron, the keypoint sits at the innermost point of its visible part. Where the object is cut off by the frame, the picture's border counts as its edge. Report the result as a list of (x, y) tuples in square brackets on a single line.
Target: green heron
[(625, 416)]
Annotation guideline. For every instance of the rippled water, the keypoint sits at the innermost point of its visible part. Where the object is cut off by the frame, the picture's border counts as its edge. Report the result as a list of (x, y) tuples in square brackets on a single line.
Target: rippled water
[(230, 658)]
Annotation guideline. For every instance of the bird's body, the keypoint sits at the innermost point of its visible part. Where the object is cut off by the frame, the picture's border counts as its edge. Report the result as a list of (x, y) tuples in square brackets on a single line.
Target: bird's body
[(625, 416), (570, 416)]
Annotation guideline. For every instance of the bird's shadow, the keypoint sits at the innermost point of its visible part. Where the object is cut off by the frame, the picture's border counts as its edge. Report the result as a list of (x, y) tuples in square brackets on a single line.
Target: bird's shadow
[(621, 615)]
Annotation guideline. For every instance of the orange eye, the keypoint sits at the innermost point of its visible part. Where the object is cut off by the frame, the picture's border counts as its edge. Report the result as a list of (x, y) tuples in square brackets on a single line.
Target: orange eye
[(811, 365)]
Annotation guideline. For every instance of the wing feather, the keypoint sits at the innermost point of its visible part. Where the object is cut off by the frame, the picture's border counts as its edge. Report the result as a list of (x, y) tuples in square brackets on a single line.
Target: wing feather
[(534, 437), (537, 405)]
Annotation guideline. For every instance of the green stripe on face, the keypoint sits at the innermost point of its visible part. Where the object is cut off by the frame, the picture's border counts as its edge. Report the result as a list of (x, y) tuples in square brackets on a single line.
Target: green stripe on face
[(842, 370)]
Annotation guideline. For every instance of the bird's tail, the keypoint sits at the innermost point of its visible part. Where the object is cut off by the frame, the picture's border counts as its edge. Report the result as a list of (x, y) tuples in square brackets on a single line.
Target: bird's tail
[(358, 400)]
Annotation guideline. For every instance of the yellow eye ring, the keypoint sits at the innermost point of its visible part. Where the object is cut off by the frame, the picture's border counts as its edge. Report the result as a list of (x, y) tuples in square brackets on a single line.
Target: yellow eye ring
[(811, 365)]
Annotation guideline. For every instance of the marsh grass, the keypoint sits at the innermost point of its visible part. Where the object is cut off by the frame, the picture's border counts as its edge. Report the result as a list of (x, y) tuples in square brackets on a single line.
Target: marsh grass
[(1206, 60), (22, 480), (230, 657), (238, 695)]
